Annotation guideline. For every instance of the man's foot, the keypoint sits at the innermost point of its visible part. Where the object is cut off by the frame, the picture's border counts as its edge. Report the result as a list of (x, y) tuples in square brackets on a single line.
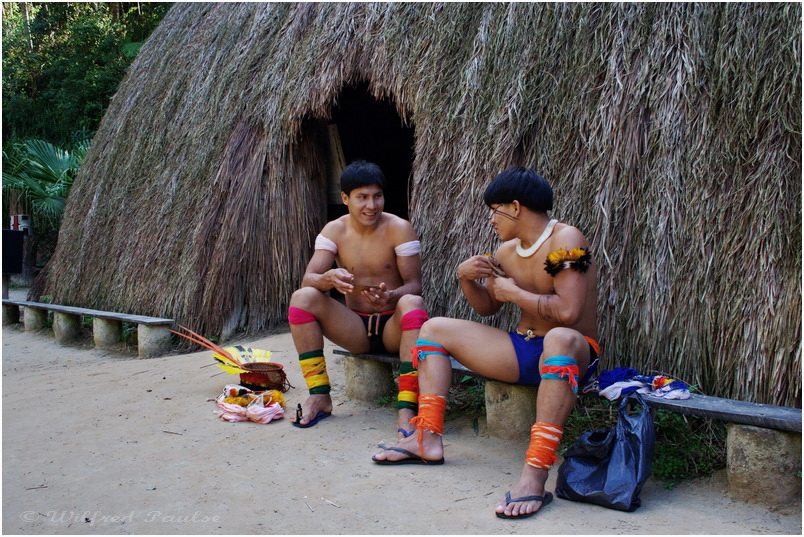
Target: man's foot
[(408, 449), (316, 406), (404, 428), (531, 483)]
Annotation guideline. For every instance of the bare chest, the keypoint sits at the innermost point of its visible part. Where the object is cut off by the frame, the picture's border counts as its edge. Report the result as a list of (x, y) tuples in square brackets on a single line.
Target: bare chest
[(528, 272), (368, 258)]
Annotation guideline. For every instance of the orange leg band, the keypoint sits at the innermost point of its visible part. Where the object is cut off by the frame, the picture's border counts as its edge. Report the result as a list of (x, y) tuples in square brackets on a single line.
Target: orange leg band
[(431, 416), (544, 440)]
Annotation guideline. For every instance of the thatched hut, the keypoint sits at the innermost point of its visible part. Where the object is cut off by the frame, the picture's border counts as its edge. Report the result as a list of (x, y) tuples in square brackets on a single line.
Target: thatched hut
[(671, 133)]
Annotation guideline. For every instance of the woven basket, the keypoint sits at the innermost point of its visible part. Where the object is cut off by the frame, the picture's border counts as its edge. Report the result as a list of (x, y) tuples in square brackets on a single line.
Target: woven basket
[(264, 376)]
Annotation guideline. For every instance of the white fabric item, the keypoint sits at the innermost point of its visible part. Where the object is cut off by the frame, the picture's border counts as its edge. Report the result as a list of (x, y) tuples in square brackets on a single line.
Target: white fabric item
[(613, 392), (255, 411), (666, 392), (323, 243), (408, 248)]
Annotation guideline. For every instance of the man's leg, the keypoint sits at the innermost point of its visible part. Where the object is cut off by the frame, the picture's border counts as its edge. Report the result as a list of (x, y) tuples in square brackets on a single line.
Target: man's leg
[(563, 348), (312, 314), (438, 339), (400, 334)]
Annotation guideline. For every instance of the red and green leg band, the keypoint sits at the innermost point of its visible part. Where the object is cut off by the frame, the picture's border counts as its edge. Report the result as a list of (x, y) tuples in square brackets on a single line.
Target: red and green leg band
[(314, 369), (408, 387), (561, 368)]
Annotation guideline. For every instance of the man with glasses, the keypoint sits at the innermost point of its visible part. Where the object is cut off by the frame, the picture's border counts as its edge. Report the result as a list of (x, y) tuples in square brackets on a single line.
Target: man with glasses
[(545, 268)]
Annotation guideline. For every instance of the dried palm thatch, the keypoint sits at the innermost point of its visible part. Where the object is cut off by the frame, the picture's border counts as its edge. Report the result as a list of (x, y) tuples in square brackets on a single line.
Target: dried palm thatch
[(671, 133)]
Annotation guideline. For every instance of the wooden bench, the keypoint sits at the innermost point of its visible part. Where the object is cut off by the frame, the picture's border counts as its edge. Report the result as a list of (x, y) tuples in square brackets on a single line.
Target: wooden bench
[(763, 442), (153, 333)]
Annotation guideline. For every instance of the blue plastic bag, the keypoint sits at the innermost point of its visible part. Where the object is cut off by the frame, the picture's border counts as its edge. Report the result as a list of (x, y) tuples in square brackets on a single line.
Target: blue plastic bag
[(608, 467)]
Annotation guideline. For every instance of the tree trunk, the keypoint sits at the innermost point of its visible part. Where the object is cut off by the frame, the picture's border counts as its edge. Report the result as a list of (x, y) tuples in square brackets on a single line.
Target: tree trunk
[(26, 23)]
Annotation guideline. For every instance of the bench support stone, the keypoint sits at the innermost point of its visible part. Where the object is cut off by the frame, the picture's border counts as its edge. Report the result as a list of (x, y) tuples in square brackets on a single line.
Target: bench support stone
[(763, 465), (66, 327), (153, 340), (510, 409), (367, 380), (11, 314), (107, 332), (34, 318)]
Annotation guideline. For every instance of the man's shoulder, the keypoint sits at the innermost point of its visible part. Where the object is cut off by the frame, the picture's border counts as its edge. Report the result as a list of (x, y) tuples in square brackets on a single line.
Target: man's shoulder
[(398, 228), (569, 234), (395, 221), (334, 228)]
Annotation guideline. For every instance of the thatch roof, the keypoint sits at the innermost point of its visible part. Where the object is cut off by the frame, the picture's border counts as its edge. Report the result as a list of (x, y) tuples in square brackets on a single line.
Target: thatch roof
[(671, 133)]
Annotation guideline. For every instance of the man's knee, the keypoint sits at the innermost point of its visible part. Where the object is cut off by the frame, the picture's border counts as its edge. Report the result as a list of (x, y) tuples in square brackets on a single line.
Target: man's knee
[(410, 302), (306, 297), (565, 340), (434, 326)]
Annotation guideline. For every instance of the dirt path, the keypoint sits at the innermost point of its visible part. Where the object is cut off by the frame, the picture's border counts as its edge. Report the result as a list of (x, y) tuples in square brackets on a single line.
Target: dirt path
[(97, 442)]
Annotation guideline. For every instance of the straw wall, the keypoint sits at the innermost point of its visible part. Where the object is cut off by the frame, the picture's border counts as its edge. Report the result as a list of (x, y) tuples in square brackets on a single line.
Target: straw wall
[(671, 134)]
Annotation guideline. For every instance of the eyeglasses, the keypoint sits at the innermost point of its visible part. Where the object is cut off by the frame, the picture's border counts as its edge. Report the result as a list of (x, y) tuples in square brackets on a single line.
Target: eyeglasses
[(495, 211)]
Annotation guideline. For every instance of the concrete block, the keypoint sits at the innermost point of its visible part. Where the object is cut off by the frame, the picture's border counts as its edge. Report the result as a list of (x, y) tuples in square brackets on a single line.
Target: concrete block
[(153, 341), (34, 318), (66, 327), (11, 314), (510, 409), (368, 380), (107, 332), (763, 465)]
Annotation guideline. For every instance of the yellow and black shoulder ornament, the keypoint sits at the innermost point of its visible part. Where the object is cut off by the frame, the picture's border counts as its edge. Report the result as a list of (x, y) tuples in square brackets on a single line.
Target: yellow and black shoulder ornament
[(576, 259)]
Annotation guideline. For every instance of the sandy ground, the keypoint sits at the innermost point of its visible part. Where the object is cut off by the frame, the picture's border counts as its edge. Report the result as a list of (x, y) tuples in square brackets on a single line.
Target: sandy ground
[(97, 442)]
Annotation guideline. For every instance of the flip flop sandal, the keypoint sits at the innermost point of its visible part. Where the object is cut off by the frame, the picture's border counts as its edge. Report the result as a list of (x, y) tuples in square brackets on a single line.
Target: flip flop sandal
[(546, 499), (412, 458)]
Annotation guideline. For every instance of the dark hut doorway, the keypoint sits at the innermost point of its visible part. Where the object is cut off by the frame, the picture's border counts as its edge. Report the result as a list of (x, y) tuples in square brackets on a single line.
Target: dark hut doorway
[(372, 130)]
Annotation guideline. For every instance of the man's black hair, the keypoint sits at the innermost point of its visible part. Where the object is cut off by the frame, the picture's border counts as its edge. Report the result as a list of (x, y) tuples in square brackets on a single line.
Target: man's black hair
[(359, 174), (521, 184)]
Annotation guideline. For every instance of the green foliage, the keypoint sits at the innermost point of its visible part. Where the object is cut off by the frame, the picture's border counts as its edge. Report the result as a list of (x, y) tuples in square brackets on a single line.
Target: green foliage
[(467, 397), (686, 447), (41, 174), (386, 400), (62, 66)]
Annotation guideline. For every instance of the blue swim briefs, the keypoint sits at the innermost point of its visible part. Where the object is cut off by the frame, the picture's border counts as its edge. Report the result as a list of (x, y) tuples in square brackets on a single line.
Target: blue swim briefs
[(528, 354)]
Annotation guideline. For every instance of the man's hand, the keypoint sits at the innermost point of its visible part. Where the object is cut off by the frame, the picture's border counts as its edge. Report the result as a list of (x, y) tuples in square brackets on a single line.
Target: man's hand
[(503, 289), (478, 267), (340, 279), (380, 297)]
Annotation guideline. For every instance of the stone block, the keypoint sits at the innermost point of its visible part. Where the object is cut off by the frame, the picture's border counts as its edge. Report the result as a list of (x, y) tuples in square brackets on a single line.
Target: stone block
[(66, 327), (11, 314), (107, 332), (510, 409), (368, 380), (153, 341), (34, 318), (763, 465)]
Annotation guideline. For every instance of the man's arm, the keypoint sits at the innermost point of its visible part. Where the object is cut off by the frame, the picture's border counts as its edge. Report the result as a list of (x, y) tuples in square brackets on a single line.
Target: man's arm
[(322, 276), (410, 268), (565, 305), (478, 296)]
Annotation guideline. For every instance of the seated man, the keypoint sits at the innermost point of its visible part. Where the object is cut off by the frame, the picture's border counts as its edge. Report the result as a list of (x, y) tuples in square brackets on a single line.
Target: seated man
[(379, 272), (544, 267)]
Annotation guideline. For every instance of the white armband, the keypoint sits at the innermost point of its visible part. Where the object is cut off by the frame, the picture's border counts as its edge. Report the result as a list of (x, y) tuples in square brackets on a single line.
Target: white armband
[(408, 248), (323, 243)]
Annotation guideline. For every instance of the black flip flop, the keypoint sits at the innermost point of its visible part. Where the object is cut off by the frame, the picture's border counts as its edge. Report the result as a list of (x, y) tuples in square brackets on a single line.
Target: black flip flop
[(412, 458), (546, 499), (318, 417)]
